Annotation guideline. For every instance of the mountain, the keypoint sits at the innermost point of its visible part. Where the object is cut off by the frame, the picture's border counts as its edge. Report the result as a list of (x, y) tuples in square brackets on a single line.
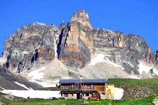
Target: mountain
[(44, 53)]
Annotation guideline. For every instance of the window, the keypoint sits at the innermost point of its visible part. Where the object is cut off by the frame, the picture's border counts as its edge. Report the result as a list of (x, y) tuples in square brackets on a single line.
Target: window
[(66, 87), (88, 86), (87, 94)]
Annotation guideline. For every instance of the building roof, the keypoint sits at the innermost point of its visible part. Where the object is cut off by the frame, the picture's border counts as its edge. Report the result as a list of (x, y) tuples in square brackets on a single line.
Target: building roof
[(83, 80)]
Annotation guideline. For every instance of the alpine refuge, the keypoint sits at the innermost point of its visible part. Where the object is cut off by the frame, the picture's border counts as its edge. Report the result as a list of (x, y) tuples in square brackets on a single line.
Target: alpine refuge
[(86, 89)]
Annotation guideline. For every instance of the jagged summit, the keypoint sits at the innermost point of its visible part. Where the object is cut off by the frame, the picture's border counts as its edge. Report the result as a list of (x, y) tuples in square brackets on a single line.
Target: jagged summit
[(77, 40), (81, 17)]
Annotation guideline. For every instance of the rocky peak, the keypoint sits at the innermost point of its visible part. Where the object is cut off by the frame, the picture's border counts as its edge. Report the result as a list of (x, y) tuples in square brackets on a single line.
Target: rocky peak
[(77, 40), (81, 18)]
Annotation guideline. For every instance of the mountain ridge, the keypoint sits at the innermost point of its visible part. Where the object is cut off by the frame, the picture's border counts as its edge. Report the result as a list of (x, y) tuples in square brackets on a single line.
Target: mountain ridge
[(79, 49)]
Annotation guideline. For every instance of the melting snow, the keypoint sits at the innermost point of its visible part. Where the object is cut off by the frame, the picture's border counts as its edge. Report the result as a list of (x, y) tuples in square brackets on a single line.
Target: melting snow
[(155, 71), (33, 93), (46, 83), (135, 77), (118, 93), (22, 85), (37, 74), (2, 60), (97, 59), (143, 68)]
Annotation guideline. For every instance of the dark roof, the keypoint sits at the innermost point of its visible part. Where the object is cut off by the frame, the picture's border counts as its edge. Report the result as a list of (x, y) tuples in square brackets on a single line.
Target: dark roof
[(83, 80)]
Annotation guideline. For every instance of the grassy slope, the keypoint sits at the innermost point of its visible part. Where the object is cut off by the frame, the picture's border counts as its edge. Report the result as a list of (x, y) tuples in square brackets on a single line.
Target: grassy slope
[(130, 82), (140, 101), (135, 88)]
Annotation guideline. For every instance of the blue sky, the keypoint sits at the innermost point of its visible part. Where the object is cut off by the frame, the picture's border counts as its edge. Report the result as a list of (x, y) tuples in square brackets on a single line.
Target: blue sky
[(138, 17)]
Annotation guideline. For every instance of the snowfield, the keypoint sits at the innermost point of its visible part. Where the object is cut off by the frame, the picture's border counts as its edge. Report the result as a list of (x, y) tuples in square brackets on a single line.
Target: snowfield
[(118, 93), (37, 74), (42, 94), (143, 68), (22, 85), (99, 58), (135, 77), (46, 83), (33, 93)]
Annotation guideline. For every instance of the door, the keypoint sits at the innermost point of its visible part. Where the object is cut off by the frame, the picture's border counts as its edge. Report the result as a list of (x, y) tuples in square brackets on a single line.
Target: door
[(79, 96)]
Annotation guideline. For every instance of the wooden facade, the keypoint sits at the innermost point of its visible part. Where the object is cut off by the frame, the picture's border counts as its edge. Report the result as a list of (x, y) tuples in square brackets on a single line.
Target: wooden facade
[(87, 89)]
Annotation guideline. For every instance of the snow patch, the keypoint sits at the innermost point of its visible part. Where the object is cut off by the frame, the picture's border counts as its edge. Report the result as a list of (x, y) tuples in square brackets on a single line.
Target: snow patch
[(135, 77), (38, 77), (143, 68), (97, 59), (33, 93), (22, 85), (39, 23), (155, 71), (100, 58), (37, 74), (2, 60), (118, 93), (46, 83)]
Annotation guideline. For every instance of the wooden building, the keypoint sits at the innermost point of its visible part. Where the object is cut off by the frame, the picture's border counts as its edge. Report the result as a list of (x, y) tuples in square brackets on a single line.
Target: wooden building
[(84, 88)]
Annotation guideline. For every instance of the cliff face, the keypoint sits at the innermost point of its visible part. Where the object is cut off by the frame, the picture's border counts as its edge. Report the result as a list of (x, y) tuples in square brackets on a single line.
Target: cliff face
[(77, 41), (79, 46), (30, 45), (124, 49)]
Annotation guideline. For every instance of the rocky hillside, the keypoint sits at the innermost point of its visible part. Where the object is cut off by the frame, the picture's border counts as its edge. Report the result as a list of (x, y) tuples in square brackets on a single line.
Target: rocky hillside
[(11, 81), (68, 51)]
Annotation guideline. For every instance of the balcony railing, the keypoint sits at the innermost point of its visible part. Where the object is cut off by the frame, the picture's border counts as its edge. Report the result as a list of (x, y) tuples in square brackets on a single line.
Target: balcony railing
[(76, 88)]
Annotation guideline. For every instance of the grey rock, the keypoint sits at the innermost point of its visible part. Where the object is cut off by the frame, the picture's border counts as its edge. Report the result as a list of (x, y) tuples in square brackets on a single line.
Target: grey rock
[(31, 45), (8, 80), (75, 44), (124, 49)]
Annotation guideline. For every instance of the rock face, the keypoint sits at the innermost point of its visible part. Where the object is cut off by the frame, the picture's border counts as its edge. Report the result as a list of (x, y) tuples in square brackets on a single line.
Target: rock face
[(124, 49), (30, 45), (80, 49), (77, 41), (15, 82)]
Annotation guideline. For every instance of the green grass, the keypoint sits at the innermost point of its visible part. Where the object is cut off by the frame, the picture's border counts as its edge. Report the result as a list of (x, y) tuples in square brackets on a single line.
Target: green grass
[(130, 82), (139, 101), (41, 102), (147, 86)]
